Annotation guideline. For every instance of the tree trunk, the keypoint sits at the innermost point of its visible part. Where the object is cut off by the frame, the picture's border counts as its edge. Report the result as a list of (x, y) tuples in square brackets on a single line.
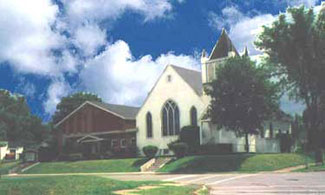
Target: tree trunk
[(246, 143), (319, 157)]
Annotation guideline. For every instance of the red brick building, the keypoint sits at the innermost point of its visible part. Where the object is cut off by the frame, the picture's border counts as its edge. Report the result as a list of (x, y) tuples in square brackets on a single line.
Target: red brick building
[(98, 129)]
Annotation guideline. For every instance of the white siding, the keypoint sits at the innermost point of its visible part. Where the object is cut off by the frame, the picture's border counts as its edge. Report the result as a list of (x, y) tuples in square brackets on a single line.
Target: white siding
[(178, 91)]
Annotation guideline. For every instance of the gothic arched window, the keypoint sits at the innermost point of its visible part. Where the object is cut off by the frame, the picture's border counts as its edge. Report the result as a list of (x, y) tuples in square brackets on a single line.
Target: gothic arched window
[(170, 119), (193, 116), (149, 124)]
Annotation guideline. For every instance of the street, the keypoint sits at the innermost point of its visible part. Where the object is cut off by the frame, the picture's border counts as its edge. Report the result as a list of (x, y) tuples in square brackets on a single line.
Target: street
[(233, 183)]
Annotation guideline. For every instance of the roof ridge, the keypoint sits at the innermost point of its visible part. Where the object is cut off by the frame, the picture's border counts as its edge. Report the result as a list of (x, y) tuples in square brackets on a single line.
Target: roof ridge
[(180, 67), (114, 104)]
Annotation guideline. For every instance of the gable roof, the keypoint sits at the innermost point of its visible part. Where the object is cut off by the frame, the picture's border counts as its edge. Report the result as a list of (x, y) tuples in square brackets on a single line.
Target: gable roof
[(128, 112), (192, 77), (223, 46), (89, 138), (124, 112)]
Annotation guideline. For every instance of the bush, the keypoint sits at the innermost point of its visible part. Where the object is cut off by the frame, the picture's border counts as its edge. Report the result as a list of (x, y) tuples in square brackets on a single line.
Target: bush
[(150, 151), (75, 157), (212, 149), (191, 136), (179, 148)]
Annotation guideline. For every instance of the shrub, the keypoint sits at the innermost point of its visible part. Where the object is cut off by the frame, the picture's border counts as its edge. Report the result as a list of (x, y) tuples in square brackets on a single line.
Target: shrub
[(191, 136), (75, 157), (179, 148), (286, 142), (150, 151)]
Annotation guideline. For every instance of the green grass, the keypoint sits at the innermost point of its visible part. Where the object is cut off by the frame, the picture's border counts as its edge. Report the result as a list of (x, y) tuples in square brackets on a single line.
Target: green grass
[(81, 185), (65, 185), (313, 168), (234, 162), (170, 190), (91, 166), (6, 166)]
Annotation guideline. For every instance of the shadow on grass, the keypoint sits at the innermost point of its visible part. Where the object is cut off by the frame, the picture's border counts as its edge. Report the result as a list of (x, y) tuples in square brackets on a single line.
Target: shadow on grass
[(139, 162), (205, 164)]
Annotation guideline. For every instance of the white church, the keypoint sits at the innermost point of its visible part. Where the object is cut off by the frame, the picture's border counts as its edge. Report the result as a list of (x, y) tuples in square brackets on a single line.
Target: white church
[(177, 99)]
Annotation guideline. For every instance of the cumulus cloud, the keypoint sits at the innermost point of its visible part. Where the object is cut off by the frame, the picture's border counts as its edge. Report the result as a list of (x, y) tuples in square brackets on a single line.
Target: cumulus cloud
[(88, 38), (27, 37), (120, 78), (57, 89), (229, 16), (79, 11), (39, 38)]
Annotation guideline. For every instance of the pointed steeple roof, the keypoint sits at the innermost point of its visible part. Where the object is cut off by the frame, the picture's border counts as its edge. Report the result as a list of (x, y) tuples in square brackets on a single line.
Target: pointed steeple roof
[(245, 52), (223, 47)]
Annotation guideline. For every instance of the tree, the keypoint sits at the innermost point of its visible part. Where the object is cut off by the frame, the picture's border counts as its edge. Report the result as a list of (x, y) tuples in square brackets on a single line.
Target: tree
[(69, 103), (17, 124), (242, 97), (295, 44)]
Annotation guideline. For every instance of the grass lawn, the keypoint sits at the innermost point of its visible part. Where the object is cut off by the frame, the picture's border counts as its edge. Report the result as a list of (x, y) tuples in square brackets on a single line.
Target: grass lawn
[(312, 168), (234, 162), (171, 190), (69, 185), (90, 166), (5, 167)]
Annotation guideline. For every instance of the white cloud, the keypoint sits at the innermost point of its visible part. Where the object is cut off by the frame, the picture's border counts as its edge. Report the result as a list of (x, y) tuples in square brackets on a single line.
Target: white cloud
[(307, 3), (32, 38), (119, 78), (88, 10), (88, 38), (57, 89), (245, 32), (28, 36), (229, 16), (26, 88)]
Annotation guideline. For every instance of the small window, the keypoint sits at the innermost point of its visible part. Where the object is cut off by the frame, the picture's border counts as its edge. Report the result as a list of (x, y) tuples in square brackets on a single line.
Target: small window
[(169, 78), (193, 114), (133, 141), (149, 125), (123, 143), (114, 143)]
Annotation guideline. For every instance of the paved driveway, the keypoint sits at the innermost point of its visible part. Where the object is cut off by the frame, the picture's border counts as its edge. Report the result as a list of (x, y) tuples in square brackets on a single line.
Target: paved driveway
[(262, 183)]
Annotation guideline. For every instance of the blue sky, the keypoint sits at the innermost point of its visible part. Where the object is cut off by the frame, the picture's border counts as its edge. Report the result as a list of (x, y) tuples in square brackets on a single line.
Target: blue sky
[(117, 49)]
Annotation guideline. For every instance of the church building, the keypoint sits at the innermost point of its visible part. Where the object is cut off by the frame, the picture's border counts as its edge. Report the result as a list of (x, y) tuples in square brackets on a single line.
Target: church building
[(177, 99)]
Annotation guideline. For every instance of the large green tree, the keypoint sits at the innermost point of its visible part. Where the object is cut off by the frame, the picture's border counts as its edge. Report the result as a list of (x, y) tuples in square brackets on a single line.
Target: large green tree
[(17, 124), (71, 102), (295, 44), (242, 97)]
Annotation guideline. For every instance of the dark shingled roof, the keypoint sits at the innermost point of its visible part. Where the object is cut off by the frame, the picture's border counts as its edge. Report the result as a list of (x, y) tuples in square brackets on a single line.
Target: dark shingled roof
[(127, 112), (191, 77), (223, 46)]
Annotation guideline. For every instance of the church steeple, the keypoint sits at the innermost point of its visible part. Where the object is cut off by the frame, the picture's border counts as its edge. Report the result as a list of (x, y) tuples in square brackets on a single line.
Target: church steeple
[(245, 52), (224, 47)]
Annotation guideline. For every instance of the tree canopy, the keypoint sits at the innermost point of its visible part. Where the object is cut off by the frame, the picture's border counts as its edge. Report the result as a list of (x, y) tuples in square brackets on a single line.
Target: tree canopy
[(295, 44), (242, 97), (17, 124), (69, 103)]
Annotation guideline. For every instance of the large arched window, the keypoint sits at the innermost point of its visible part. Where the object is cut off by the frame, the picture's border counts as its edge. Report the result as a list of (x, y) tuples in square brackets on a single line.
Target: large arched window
[(149, 124), (170, 119), (193, 116)]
